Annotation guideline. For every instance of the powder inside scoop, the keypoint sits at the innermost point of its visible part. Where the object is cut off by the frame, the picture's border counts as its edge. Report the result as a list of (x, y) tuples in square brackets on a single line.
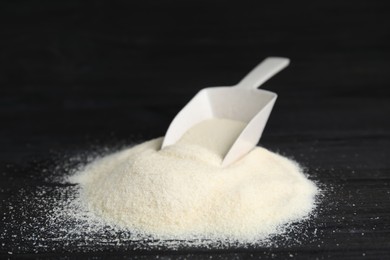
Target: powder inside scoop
[(216, 135), (182, 192)]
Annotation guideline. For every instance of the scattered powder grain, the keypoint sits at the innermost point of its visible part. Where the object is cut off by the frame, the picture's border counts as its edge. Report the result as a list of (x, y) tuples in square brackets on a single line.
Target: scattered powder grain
[(182, 192)]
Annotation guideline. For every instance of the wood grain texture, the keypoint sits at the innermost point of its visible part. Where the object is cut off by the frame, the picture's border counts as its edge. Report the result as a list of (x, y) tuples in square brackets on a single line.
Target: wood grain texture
[(101, 73)]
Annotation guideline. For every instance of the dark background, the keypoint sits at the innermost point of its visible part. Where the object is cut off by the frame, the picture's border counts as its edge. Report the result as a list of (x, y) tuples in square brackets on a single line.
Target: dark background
[(78, 74)]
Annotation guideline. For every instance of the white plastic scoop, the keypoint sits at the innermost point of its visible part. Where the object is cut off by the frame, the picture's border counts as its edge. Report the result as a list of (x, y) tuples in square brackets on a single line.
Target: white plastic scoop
[(242, 102)]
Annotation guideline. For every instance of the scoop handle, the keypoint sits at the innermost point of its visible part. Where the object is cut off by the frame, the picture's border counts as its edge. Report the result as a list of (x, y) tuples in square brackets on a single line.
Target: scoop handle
[(263, 72)]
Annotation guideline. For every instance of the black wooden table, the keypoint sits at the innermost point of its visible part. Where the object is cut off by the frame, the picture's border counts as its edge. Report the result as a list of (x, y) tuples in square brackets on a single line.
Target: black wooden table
[(80, 77)]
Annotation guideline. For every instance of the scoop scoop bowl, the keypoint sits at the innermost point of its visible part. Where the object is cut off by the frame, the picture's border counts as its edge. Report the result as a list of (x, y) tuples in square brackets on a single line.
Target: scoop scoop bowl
[(242, 102)]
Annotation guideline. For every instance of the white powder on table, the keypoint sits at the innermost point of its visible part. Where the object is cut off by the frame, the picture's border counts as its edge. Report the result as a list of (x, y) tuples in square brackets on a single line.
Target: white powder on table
[(182, 192)]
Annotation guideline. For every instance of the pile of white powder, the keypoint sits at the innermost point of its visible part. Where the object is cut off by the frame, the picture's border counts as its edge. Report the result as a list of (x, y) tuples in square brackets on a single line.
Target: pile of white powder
[(182, 192)]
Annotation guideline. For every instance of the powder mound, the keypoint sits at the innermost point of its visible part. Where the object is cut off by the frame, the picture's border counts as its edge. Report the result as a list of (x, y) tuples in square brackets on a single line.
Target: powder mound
[(182, 192)]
